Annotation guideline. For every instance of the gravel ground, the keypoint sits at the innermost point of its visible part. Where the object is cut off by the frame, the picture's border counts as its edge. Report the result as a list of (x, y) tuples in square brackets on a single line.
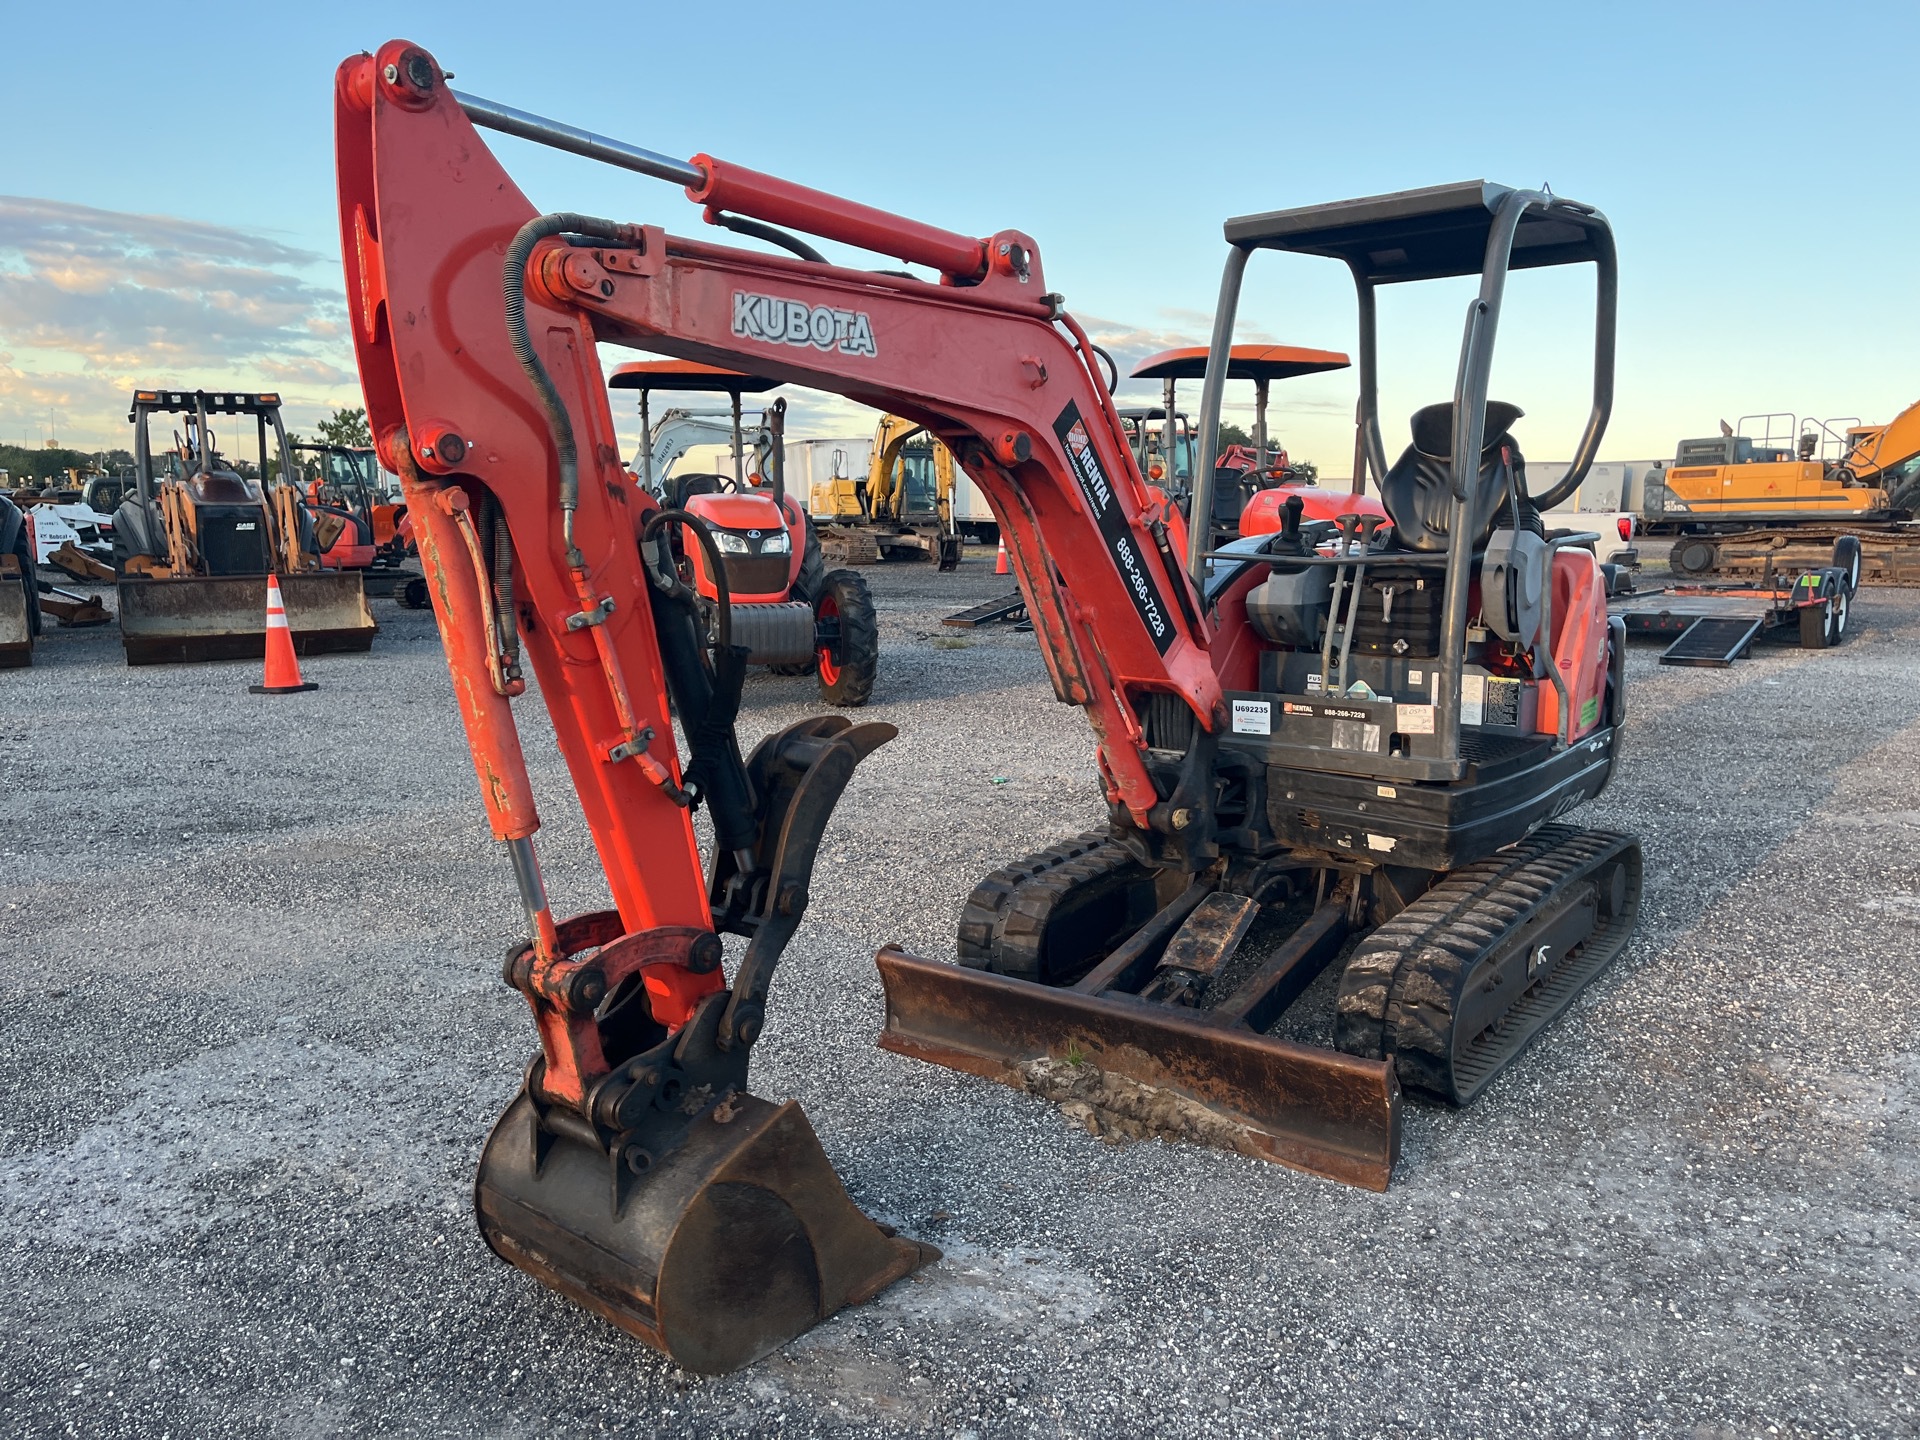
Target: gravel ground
[(252, 1036)]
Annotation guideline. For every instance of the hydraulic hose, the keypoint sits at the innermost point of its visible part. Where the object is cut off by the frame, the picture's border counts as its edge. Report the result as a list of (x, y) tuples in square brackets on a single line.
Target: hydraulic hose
[(723, 596), (514, 292), (740, 225)]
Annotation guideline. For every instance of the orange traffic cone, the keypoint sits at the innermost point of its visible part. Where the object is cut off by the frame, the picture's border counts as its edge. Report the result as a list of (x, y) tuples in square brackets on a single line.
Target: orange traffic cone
[(1000, 565), (283, 668)]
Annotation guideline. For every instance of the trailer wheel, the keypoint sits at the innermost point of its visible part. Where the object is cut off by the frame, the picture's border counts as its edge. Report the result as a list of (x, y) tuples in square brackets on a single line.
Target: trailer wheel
[(848, 653), (1847, 558), (1837, 607)]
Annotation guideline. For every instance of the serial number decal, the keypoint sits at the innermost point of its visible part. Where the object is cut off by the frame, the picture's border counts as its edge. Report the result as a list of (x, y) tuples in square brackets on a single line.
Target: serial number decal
[(794, 322), (1097, 491)]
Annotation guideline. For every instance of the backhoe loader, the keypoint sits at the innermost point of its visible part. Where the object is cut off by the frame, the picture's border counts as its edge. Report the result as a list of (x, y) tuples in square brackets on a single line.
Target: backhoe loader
[(194, 545), (903, 508), (1373, 740), (1771, 497)]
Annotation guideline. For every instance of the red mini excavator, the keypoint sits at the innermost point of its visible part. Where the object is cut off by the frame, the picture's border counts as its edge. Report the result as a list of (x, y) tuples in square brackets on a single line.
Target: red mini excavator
[(1324, 736)]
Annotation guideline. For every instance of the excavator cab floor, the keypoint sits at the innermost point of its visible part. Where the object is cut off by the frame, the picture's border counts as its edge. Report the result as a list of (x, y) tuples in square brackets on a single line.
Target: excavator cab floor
[(223, 617), (717, 1253)]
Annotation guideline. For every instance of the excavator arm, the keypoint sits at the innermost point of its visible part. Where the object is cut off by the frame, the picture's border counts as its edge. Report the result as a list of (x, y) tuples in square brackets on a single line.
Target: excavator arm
[(634, 1172), (985, 358)]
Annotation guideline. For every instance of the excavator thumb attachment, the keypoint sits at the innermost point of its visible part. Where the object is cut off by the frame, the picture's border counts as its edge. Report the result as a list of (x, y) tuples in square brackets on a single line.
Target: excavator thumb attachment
[(735, 1242), (224, 617)]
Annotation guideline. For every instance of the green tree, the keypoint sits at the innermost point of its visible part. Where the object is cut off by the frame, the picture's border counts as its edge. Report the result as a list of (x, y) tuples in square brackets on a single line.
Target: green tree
[(347, 427), (1231, 434)]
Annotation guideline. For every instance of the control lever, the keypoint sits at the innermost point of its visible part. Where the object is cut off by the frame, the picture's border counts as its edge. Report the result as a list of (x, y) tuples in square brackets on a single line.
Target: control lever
[(1369, 524), (1347, 526)]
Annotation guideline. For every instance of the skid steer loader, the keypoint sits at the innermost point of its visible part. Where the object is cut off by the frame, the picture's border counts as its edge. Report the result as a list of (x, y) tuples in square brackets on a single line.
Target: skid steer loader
[(1369, 740), (194, 545)]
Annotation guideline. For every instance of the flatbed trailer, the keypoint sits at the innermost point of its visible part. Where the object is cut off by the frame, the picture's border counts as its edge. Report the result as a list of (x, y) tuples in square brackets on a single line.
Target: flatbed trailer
[(1715, 625)]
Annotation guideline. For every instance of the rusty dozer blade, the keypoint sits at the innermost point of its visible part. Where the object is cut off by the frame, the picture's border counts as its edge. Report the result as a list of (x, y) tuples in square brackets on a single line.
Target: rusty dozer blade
[(738, 1240), (224, 617), (1190, 1073)]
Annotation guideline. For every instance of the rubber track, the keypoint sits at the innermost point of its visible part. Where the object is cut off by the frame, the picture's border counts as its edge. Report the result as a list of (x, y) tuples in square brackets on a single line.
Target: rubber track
[(1004, 923), (1398, 991)]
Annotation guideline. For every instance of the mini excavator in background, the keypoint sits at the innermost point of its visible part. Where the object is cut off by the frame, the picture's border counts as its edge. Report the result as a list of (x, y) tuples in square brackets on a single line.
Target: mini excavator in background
[(1369, 733)]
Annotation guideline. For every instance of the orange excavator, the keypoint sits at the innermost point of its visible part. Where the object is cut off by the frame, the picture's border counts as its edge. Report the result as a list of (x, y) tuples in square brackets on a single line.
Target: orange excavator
[(1372, 740)]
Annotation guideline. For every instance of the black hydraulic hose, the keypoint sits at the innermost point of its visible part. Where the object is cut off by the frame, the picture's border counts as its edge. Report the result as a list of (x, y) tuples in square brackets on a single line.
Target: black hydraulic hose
[(507, 631), (1113, 374), (723, 595), (514, 292), (740, 225)]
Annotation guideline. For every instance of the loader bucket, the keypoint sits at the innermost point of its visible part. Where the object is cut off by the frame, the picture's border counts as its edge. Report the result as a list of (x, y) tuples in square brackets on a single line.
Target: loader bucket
[(737, 1240), (16, 637), (1179, 1073), (224, 617)]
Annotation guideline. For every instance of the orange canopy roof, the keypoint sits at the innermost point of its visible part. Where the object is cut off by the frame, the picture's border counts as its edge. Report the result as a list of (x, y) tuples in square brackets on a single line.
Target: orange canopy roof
[(685, 375), (1246, 362)]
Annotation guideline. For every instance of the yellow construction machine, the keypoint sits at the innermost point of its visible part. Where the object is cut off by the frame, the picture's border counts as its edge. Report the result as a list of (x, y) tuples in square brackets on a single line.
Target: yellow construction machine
[(194, 544), (904, 507), (1773, 494)]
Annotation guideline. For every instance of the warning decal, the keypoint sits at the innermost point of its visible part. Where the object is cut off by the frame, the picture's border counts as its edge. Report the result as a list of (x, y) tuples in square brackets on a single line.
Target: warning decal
[(1104, 506)]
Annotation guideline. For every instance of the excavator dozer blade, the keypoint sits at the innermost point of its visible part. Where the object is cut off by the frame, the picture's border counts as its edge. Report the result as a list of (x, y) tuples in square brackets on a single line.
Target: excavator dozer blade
[(1175, 1072), (224, 617), (16, 636), (737, 1240)]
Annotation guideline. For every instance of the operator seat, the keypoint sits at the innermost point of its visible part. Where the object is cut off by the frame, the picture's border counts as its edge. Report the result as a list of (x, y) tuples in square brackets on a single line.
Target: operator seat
[(1418, 491)]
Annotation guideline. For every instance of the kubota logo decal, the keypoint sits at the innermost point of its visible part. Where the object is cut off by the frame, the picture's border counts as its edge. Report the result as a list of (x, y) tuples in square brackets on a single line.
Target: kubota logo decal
[(794, 322)]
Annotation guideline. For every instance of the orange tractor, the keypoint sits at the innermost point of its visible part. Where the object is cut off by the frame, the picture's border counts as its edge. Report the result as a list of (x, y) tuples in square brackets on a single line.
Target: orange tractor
[(766, 572), (1372, 736)]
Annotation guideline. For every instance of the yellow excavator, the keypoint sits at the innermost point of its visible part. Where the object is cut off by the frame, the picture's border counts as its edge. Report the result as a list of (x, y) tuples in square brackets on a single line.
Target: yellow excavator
[(903, 509), (1772, 495)]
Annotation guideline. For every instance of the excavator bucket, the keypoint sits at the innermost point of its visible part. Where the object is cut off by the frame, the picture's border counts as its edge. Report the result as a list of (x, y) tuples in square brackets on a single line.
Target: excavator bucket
[(224, 617), (1135, 1069), (735, 1242)]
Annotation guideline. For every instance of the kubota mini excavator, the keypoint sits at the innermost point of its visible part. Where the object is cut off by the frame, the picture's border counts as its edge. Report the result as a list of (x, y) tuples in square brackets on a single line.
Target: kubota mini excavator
[(1370, 739), (195, 544)]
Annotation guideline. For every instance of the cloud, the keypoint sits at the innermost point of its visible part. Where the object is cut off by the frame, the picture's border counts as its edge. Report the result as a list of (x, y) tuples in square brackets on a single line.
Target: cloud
[(96, 302)]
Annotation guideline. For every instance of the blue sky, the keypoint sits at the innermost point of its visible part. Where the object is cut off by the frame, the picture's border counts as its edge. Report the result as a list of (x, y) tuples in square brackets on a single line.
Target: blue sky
[(172, 214)]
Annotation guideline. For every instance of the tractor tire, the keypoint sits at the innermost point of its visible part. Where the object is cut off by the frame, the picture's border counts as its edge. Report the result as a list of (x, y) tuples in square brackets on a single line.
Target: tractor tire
[(848, 664)]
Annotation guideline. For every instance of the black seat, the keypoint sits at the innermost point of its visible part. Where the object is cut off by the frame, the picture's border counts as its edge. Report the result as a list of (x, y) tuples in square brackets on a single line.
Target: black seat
[(1418, 491), (682, 488)]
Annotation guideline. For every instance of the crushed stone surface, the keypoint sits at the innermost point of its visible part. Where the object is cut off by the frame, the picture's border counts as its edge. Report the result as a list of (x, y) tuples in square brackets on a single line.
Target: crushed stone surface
[(252, 1037)]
